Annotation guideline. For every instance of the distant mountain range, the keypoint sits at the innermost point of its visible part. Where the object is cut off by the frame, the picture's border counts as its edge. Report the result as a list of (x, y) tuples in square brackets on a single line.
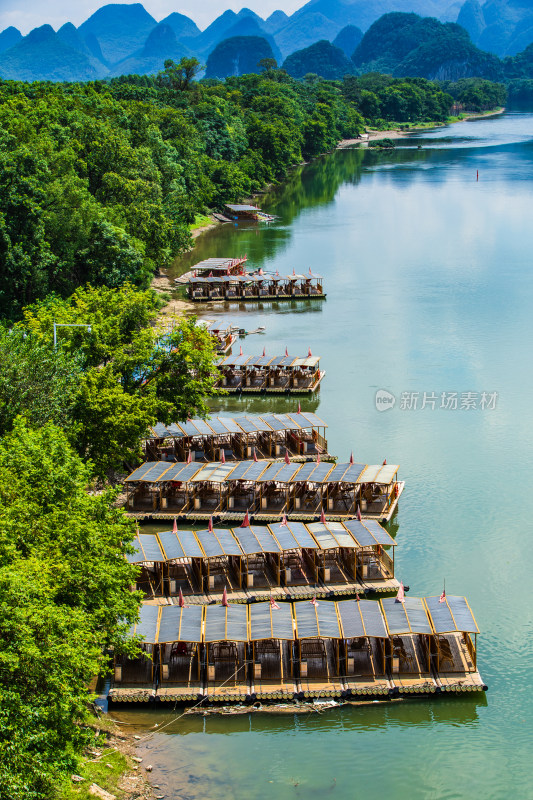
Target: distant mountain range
[(123, 39)]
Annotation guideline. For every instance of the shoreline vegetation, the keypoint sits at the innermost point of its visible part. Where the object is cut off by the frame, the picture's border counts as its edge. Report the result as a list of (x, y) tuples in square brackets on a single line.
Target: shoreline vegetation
[(105, 184)]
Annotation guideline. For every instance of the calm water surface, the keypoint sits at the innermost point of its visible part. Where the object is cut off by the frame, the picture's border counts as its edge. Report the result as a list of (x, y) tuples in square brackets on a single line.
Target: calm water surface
[(430, 289)]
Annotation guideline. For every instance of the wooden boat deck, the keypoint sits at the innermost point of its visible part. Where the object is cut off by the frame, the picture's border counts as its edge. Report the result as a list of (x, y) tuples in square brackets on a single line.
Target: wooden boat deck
[(275, 681), (321, 680), (266, 298), (234, 385), (413, 676), (367, 678), (131, 693)]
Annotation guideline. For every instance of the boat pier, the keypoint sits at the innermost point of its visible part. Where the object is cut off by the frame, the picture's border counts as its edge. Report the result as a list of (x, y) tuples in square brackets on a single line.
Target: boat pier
[(243, 374)]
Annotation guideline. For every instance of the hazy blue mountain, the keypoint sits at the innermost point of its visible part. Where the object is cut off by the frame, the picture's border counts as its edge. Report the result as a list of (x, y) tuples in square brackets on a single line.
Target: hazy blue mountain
[(321, 58), (252, 26), (215, 32), (120, 29), (237, 56), (43, 55), (275, 21), (348, 39), (183, 27), (303, 31), (9, 38), (160, 45), (472, 19), (71, 37)]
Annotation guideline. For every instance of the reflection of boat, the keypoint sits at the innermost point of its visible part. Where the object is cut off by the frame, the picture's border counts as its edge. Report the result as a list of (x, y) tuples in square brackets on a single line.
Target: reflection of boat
[(329, 649)]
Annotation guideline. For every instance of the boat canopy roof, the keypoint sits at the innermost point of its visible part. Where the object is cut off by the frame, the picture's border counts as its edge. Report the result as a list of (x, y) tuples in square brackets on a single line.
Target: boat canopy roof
[(219, 542), (280, 472), (241, 207), (317, 620), (248, 470), (408, 617), (267, 622), (147, 549), (213, 472), (180, 624), (293, 536), (226, 623), (311, 472), (332, 535), (239, 424), (361, 618), (256, 539), (452, 615), (345, 473), (382, 474), (146, 627), (368, 533), (182, 544)]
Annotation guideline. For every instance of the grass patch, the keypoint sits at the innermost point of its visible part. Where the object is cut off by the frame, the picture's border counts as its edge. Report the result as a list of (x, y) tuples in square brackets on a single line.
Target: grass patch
[(97, 772), (200, 221)]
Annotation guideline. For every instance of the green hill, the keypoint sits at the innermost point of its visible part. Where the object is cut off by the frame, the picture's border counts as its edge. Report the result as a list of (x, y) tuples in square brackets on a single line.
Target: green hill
[(348, 39), (160, 45), (238, 55), (322, 58), (9, 38), (119, 29), (406, 44)]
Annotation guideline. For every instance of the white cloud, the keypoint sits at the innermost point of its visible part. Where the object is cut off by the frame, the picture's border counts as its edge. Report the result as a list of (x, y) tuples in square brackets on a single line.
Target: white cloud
[(33, 13)]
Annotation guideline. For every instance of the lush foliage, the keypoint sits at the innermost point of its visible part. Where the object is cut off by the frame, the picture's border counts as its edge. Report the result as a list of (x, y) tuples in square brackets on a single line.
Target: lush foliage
[(64, 599), (321, 58), (476, 94), (381, 97), (237, 55)]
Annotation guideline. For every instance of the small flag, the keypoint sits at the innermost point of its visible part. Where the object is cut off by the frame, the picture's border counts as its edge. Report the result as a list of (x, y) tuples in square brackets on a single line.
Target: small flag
[(181, 601), (283, 521), (240, 351), (189, 458), (314, 601), (273, 604), (255, 455), (322, 517), (287, 459), (264, 352), (384, 462), (222, 456), (400, 597), (351, 458), (210, 274), (357, 598), (277, 273), (358, 513), (299, 408), (260, 270), (210, 525), (442, 598), (246, 521), (225, 597), (286, 353), (175, 527), (294, 271), (310, 271), (309, 353)]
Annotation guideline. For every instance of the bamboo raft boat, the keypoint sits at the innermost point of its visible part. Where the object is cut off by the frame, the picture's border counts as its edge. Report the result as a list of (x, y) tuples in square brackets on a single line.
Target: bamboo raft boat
[(286, 560), (266, 489), (233, 653), (243, 374), (254, 286), (301, 434)]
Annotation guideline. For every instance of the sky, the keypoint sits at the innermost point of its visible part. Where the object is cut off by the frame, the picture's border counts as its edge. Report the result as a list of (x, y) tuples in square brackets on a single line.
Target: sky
[(28, 14)]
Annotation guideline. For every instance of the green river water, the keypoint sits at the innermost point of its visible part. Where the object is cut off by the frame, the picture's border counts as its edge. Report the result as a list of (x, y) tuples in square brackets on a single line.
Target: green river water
[(429, 282)]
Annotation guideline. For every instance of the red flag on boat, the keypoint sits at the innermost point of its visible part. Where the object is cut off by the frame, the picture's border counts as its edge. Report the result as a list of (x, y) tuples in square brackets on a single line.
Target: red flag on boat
[(181, 601), (264, 352), (309, 353), (299, 408), (442, 598), (222, 456), (273, 604), (283, 520), (189, 458), (357, 598), (287, 459), (286, 352), (351, 457), (225, 597), (314, 601), (175, 527), (310, 271), (210, 525), (293, 271), (384, 462), (210, 275), (246, 521), (400, 597), (322, 517), (277, 273), (240, 351), (255, 455), (358, 513), (260, 270)]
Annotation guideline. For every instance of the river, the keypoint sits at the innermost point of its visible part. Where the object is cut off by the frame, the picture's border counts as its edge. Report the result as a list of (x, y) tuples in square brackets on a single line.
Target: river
[(426, 255)]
